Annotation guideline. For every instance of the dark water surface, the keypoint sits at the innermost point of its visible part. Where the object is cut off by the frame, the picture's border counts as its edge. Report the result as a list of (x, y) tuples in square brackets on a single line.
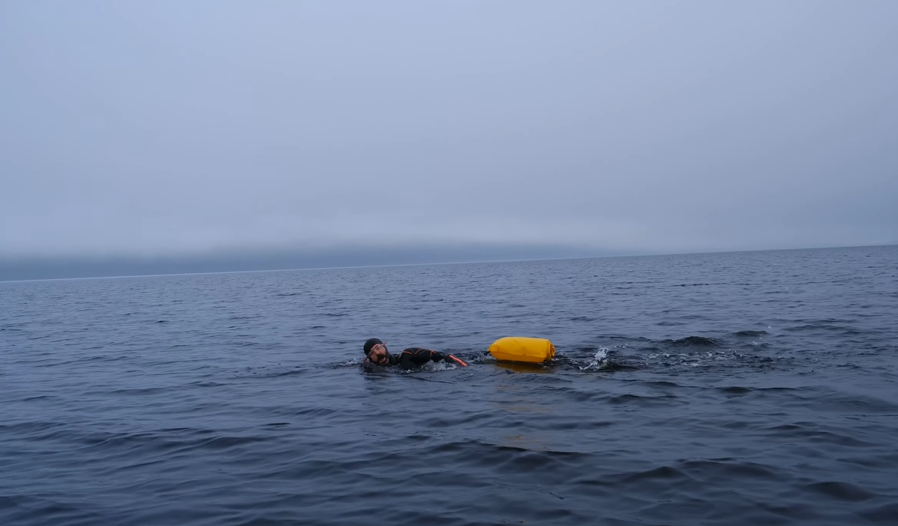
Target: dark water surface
[(745, 388)]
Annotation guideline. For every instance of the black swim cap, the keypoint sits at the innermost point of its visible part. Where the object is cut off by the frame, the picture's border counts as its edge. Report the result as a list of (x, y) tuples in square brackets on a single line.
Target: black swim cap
[(370, 344)]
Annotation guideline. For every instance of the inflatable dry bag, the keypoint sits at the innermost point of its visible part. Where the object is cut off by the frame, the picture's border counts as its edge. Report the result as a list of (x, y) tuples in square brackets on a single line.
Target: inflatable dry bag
[(519, 349)]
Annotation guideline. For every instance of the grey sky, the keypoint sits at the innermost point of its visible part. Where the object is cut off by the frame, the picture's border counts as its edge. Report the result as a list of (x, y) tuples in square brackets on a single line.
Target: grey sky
[(170, 127)]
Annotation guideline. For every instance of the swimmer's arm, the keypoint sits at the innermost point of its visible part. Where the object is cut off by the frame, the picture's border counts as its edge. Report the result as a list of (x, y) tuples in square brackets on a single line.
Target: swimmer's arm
[(418, 356)]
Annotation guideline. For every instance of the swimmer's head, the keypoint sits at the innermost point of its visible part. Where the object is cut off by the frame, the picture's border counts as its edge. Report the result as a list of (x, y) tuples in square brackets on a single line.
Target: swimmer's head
[(376, 351)]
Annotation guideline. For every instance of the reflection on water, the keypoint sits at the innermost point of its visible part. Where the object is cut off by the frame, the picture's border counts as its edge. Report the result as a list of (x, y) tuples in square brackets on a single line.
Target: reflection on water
[(524, 367)]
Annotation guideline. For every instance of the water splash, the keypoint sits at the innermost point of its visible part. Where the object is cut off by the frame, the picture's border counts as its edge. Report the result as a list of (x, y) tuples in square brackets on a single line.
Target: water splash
[(352, 362), (599, 360), (437, 366)]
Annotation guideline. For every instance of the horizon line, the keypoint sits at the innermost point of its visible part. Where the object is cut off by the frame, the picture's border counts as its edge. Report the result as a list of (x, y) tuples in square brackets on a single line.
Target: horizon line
[(444, 263)]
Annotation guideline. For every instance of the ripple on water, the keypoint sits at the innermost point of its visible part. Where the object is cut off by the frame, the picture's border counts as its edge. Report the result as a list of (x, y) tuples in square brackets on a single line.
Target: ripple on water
[(702, 390)]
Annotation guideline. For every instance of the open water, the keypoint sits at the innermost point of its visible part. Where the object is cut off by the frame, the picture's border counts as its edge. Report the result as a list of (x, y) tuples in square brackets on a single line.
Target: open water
[(739, 389)]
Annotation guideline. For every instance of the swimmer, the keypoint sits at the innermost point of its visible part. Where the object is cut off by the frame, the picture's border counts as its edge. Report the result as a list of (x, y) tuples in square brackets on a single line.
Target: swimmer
[(376, 352)]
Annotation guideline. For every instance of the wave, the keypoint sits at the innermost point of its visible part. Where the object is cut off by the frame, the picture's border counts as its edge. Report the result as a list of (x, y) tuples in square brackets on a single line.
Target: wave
[(750, 334), (693, 341)]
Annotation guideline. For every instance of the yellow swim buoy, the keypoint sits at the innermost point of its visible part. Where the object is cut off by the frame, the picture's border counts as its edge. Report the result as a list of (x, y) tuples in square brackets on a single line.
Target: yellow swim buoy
[(520, 349)]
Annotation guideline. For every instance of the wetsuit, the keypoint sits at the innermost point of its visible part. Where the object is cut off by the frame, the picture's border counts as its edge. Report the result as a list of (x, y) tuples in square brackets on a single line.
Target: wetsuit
[(415, 357)]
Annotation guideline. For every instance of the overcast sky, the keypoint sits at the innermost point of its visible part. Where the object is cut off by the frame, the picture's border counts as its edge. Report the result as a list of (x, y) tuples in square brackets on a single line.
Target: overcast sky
[(172, 127)]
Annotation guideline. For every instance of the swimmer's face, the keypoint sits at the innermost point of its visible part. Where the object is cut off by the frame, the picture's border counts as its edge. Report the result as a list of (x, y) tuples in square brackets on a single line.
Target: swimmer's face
[(379, 354)]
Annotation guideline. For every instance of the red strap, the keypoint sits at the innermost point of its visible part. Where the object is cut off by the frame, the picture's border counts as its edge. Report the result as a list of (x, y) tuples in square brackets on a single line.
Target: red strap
[(463, 364)]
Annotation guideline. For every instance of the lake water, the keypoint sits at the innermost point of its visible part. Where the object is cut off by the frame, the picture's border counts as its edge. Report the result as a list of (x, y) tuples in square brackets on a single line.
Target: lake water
[(739, 389)]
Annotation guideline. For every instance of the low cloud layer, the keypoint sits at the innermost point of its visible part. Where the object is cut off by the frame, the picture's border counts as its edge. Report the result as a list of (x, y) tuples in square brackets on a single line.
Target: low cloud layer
[(172, 129)]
